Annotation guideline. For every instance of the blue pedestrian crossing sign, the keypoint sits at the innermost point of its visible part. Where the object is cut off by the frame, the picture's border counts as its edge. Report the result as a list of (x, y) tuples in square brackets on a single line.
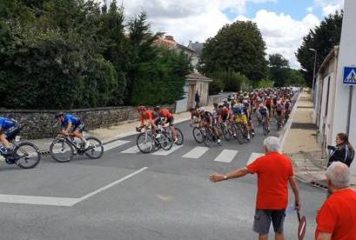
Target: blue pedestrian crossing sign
[(349, 75)]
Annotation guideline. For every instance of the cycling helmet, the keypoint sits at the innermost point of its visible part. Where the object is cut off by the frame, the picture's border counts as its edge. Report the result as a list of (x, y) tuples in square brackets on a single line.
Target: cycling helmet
[(58, 115)]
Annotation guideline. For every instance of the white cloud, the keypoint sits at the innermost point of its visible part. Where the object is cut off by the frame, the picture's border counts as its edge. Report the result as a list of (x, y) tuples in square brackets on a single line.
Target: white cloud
[(198, 20), (330, 6), (309, 9), (282, 33)]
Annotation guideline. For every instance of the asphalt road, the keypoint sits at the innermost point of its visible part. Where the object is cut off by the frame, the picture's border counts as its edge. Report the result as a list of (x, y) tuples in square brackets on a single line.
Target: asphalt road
[(129, 195)]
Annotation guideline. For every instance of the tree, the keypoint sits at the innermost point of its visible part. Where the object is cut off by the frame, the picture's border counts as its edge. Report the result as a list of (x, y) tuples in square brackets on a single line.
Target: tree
[(323, 38), (278, 69), (237, 47)]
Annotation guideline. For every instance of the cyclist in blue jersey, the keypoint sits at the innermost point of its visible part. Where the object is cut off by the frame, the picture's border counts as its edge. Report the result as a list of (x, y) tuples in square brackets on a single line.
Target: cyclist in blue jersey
[(9, 128), (263, 111), (71, 125)]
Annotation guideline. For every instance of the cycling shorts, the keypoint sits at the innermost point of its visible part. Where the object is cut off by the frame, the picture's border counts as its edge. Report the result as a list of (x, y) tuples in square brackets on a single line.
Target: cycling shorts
[(12, 132), (79, 127), (241, 119), (170, 120)]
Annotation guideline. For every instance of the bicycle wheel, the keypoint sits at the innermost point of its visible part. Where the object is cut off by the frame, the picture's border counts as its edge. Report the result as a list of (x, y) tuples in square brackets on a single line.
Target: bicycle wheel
[(27, 155), (265, 128), (165, 142), (198, 135), (208, 138), (61, 151), (239, 134), (180, 137), (226, 132), (145, 142), (95, 149)]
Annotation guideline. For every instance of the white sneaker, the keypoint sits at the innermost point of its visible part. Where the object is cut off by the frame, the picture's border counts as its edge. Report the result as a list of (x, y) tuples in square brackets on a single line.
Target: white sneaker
[(158, 135), (86, 145), (219, 141)]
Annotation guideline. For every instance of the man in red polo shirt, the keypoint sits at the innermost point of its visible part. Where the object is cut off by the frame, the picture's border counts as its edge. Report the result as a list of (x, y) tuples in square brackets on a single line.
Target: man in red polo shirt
[(274, 171), (336, 219)]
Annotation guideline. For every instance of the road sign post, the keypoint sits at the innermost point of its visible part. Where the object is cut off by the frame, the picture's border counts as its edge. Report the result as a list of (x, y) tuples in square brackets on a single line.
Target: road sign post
[(349, 79)]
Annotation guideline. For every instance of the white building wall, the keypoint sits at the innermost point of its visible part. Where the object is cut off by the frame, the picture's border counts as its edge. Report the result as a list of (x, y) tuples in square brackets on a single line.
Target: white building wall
[(347, 57)]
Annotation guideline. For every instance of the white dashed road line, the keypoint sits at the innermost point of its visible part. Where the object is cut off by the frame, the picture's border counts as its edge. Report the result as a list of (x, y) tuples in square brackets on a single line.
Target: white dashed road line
[(226, 156), (196, 152)]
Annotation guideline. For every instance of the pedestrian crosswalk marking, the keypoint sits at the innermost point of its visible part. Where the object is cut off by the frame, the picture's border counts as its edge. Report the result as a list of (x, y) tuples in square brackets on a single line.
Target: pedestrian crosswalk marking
[(162, 152), (133, 149), (226, 156), (196, 152), (253, 157), (114, 144)]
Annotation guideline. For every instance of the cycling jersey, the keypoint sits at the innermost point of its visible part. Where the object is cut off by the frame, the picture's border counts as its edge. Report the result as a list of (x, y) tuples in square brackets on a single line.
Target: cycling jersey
[(6, 123), (146, 115), (207, 116), (263, 111), (238, 110), (165, 113), (268, 103), (69, 118)]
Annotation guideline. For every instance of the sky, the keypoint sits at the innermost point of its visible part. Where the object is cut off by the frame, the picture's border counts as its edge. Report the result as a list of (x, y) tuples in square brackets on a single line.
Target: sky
[(283, 23)]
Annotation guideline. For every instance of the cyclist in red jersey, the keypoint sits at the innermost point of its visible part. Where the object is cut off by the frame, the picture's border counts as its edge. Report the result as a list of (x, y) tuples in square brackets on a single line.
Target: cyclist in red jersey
[(146, 116), (168, 116)]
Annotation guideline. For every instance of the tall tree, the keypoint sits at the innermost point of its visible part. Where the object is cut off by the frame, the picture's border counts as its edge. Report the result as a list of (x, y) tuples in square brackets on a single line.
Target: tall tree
[(237, 47), (323, 38), (278, 69)]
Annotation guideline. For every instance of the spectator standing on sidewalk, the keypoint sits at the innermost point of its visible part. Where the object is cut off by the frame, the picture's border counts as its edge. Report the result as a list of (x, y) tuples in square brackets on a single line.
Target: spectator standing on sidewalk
[(197, 99), (343, 151), (274, 171), (336, 220)]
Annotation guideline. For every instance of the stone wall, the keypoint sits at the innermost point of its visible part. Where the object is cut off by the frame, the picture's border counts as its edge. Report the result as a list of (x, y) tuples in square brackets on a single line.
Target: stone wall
[(41, 124)]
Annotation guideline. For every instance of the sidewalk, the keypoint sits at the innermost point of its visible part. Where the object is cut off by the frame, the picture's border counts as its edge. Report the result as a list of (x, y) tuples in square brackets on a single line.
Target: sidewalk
[(301, 145)]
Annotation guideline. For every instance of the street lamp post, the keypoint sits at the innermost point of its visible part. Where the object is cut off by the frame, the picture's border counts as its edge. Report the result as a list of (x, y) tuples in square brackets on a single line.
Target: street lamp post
[(313, 83)]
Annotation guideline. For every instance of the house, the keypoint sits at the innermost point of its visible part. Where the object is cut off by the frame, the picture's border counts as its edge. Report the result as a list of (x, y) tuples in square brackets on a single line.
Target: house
[(195, 82), (335, 105)]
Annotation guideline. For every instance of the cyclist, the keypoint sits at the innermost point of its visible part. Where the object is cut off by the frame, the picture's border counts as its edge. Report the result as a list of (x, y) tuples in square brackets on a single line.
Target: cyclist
[(194, 116), (240, 117), (71, 125), (287, 109), (146, 118), (263, 111), (268, 104), (168, 116), (207, 120), (247, 111), (9, 128), (279, 112)]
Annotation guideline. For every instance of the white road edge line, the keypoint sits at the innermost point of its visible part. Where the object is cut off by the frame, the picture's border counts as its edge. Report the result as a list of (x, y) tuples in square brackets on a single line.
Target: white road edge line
[(289, 123), (110, 185), (38, 200), (60, 201)]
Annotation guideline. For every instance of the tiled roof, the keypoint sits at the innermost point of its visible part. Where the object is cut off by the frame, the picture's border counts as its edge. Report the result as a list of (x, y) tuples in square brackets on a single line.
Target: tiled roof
[(197, 47), (195, 76)]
